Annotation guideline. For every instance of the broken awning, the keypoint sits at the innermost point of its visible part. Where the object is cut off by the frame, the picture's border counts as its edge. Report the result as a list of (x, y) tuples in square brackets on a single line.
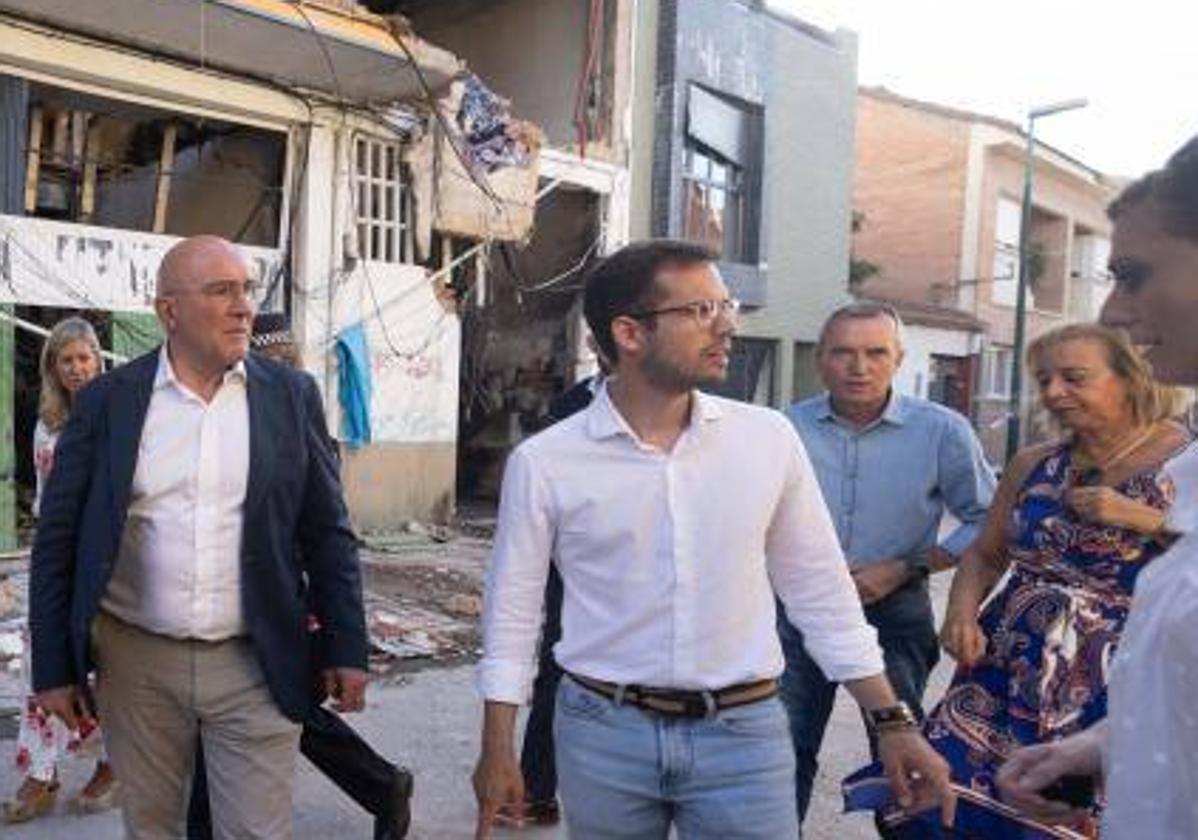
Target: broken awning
[(344, 54)]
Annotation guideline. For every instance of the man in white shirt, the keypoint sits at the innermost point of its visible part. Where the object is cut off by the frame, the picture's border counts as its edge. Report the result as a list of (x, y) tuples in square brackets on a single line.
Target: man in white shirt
[(673, 517), (1147, 748), (194, 500)]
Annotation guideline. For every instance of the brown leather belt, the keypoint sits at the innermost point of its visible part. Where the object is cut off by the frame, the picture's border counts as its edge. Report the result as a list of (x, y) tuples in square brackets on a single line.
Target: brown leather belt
[(690, 704)]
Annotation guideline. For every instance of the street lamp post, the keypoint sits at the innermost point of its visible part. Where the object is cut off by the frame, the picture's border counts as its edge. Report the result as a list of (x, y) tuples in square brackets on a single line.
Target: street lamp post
[(1015, 412)]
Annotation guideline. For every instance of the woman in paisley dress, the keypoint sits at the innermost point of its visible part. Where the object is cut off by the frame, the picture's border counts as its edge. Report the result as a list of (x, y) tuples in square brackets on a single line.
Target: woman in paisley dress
[(70, 359), (1073, 523)]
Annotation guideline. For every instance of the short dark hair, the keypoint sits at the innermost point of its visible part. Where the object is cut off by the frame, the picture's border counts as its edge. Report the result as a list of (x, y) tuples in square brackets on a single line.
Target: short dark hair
[(1174, 190), (623, 283)]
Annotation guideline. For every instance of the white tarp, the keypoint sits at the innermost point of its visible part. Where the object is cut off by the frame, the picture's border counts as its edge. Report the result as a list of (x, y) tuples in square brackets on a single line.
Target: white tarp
[(48, 263)]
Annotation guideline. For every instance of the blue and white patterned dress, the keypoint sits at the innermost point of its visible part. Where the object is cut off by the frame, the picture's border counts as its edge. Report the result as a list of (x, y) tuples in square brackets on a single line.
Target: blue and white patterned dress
[(1051, 634)]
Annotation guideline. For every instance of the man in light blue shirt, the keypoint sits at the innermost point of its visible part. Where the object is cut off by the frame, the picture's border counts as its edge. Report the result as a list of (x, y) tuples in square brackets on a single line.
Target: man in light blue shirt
[(889, 467)]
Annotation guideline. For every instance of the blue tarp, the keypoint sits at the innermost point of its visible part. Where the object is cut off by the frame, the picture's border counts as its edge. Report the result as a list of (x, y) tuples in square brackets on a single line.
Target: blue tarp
[(353, 385)]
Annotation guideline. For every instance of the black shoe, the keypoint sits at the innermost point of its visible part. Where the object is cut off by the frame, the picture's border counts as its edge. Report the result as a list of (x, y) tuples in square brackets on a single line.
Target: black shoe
[(394, 824)]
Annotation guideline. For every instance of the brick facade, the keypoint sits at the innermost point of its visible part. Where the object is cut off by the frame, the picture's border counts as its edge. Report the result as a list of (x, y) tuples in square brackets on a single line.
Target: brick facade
[(910, 184)]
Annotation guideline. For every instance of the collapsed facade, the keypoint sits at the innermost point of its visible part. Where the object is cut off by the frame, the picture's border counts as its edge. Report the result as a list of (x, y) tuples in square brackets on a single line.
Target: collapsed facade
[(421, 192), (367, 174)]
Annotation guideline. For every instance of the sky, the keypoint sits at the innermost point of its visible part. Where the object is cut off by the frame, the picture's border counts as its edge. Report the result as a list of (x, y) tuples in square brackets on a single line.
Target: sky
[(1136, 61)]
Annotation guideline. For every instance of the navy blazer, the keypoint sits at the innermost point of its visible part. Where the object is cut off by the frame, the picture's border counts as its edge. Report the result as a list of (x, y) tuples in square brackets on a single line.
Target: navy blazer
[(296, 532)]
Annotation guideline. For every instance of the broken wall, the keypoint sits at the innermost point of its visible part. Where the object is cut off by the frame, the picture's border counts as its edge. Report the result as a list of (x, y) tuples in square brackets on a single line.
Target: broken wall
[(533, 51)]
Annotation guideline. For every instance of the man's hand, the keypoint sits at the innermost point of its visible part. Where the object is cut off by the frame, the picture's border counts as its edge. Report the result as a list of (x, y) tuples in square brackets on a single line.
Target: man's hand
[(1031, 769), (497, 783), (963, 638), (918, 775), (876, 581), (347, 687), (68, 703)]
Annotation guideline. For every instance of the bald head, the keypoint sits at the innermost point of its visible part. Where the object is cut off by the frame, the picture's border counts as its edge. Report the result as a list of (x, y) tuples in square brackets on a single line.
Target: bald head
[(205, 305), (194, 261)]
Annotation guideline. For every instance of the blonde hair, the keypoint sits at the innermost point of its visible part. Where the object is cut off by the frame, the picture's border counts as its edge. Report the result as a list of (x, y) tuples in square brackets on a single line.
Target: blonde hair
[(54, 404), (1149, 401)]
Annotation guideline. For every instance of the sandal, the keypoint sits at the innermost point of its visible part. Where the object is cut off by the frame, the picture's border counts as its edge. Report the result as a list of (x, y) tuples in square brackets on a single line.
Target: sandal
[(34, 799)]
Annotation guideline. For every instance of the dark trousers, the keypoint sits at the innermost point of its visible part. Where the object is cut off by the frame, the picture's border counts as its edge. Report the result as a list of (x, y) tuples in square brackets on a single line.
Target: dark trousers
[(537, 761), (907, 635), (336, 750)]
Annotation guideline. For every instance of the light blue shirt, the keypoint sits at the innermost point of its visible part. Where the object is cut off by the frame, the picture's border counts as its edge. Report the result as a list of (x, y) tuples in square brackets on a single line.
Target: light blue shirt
[(888, 484)]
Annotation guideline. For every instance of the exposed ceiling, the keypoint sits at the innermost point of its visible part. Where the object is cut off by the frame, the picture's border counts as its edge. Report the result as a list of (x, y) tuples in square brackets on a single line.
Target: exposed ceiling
[(295, 45)]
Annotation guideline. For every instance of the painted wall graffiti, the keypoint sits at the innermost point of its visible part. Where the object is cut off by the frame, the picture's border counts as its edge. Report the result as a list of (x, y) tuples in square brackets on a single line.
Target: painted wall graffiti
[(414, 352), (47, 263)]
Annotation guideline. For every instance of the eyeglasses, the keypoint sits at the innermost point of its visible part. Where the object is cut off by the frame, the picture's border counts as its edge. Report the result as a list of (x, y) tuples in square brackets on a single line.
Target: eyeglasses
[(227, 290), (704, 312)]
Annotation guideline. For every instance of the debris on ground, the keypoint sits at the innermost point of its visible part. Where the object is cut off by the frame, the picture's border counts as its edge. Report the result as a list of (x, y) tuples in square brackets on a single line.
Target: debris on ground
[(422, 592), (13, 589), (423, 606), (466, 606)]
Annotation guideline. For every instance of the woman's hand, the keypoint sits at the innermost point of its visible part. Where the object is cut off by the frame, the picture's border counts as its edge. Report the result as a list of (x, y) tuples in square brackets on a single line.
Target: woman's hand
[(1107, 506), (962, 637)]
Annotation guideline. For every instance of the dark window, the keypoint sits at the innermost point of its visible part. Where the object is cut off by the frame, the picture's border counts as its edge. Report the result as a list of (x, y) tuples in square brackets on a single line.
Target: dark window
[(949, 382), (720, 163), (750, 371)]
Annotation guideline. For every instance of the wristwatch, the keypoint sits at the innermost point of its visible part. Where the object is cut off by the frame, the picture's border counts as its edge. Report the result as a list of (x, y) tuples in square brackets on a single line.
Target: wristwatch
[(891, 718)]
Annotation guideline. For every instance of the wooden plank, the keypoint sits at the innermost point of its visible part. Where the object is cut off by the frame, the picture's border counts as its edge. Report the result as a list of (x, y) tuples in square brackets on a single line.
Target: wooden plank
[(91, 154), (166, 164), (33, 165)]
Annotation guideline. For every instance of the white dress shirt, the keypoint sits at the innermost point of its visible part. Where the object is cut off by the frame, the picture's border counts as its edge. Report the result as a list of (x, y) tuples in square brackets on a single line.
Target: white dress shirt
[(669, 560), (1182, 473), (1152, 755), (178, 571)]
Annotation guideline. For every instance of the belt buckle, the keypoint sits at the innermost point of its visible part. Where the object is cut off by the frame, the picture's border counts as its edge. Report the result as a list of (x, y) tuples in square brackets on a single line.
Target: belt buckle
[(699, 704)]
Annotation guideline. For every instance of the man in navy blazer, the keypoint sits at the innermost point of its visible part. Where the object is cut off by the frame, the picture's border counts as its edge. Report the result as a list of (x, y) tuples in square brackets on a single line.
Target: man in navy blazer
[(194, 503)]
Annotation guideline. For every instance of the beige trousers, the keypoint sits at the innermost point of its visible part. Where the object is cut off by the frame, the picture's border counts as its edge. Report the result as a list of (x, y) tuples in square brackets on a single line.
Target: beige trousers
[(155, 694)]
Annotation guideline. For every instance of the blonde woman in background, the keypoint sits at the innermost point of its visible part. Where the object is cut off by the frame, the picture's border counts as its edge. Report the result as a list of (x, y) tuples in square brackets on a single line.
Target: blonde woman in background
[(70, 360)]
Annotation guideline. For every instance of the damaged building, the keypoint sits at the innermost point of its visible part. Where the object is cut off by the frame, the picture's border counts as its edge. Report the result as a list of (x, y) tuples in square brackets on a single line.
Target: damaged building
[(367, 174), (423, 192), (567, 67)]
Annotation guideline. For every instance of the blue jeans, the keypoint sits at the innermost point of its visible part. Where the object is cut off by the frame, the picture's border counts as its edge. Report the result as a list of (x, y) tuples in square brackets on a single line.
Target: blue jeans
[(630, 774), (907, 635)]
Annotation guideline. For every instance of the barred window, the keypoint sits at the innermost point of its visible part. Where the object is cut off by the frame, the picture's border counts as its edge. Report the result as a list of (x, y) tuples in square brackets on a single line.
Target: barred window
[(382, 202)]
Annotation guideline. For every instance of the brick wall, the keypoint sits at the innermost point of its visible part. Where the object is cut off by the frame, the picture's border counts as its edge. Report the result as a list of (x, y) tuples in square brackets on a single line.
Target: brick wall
[(910, 177)]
